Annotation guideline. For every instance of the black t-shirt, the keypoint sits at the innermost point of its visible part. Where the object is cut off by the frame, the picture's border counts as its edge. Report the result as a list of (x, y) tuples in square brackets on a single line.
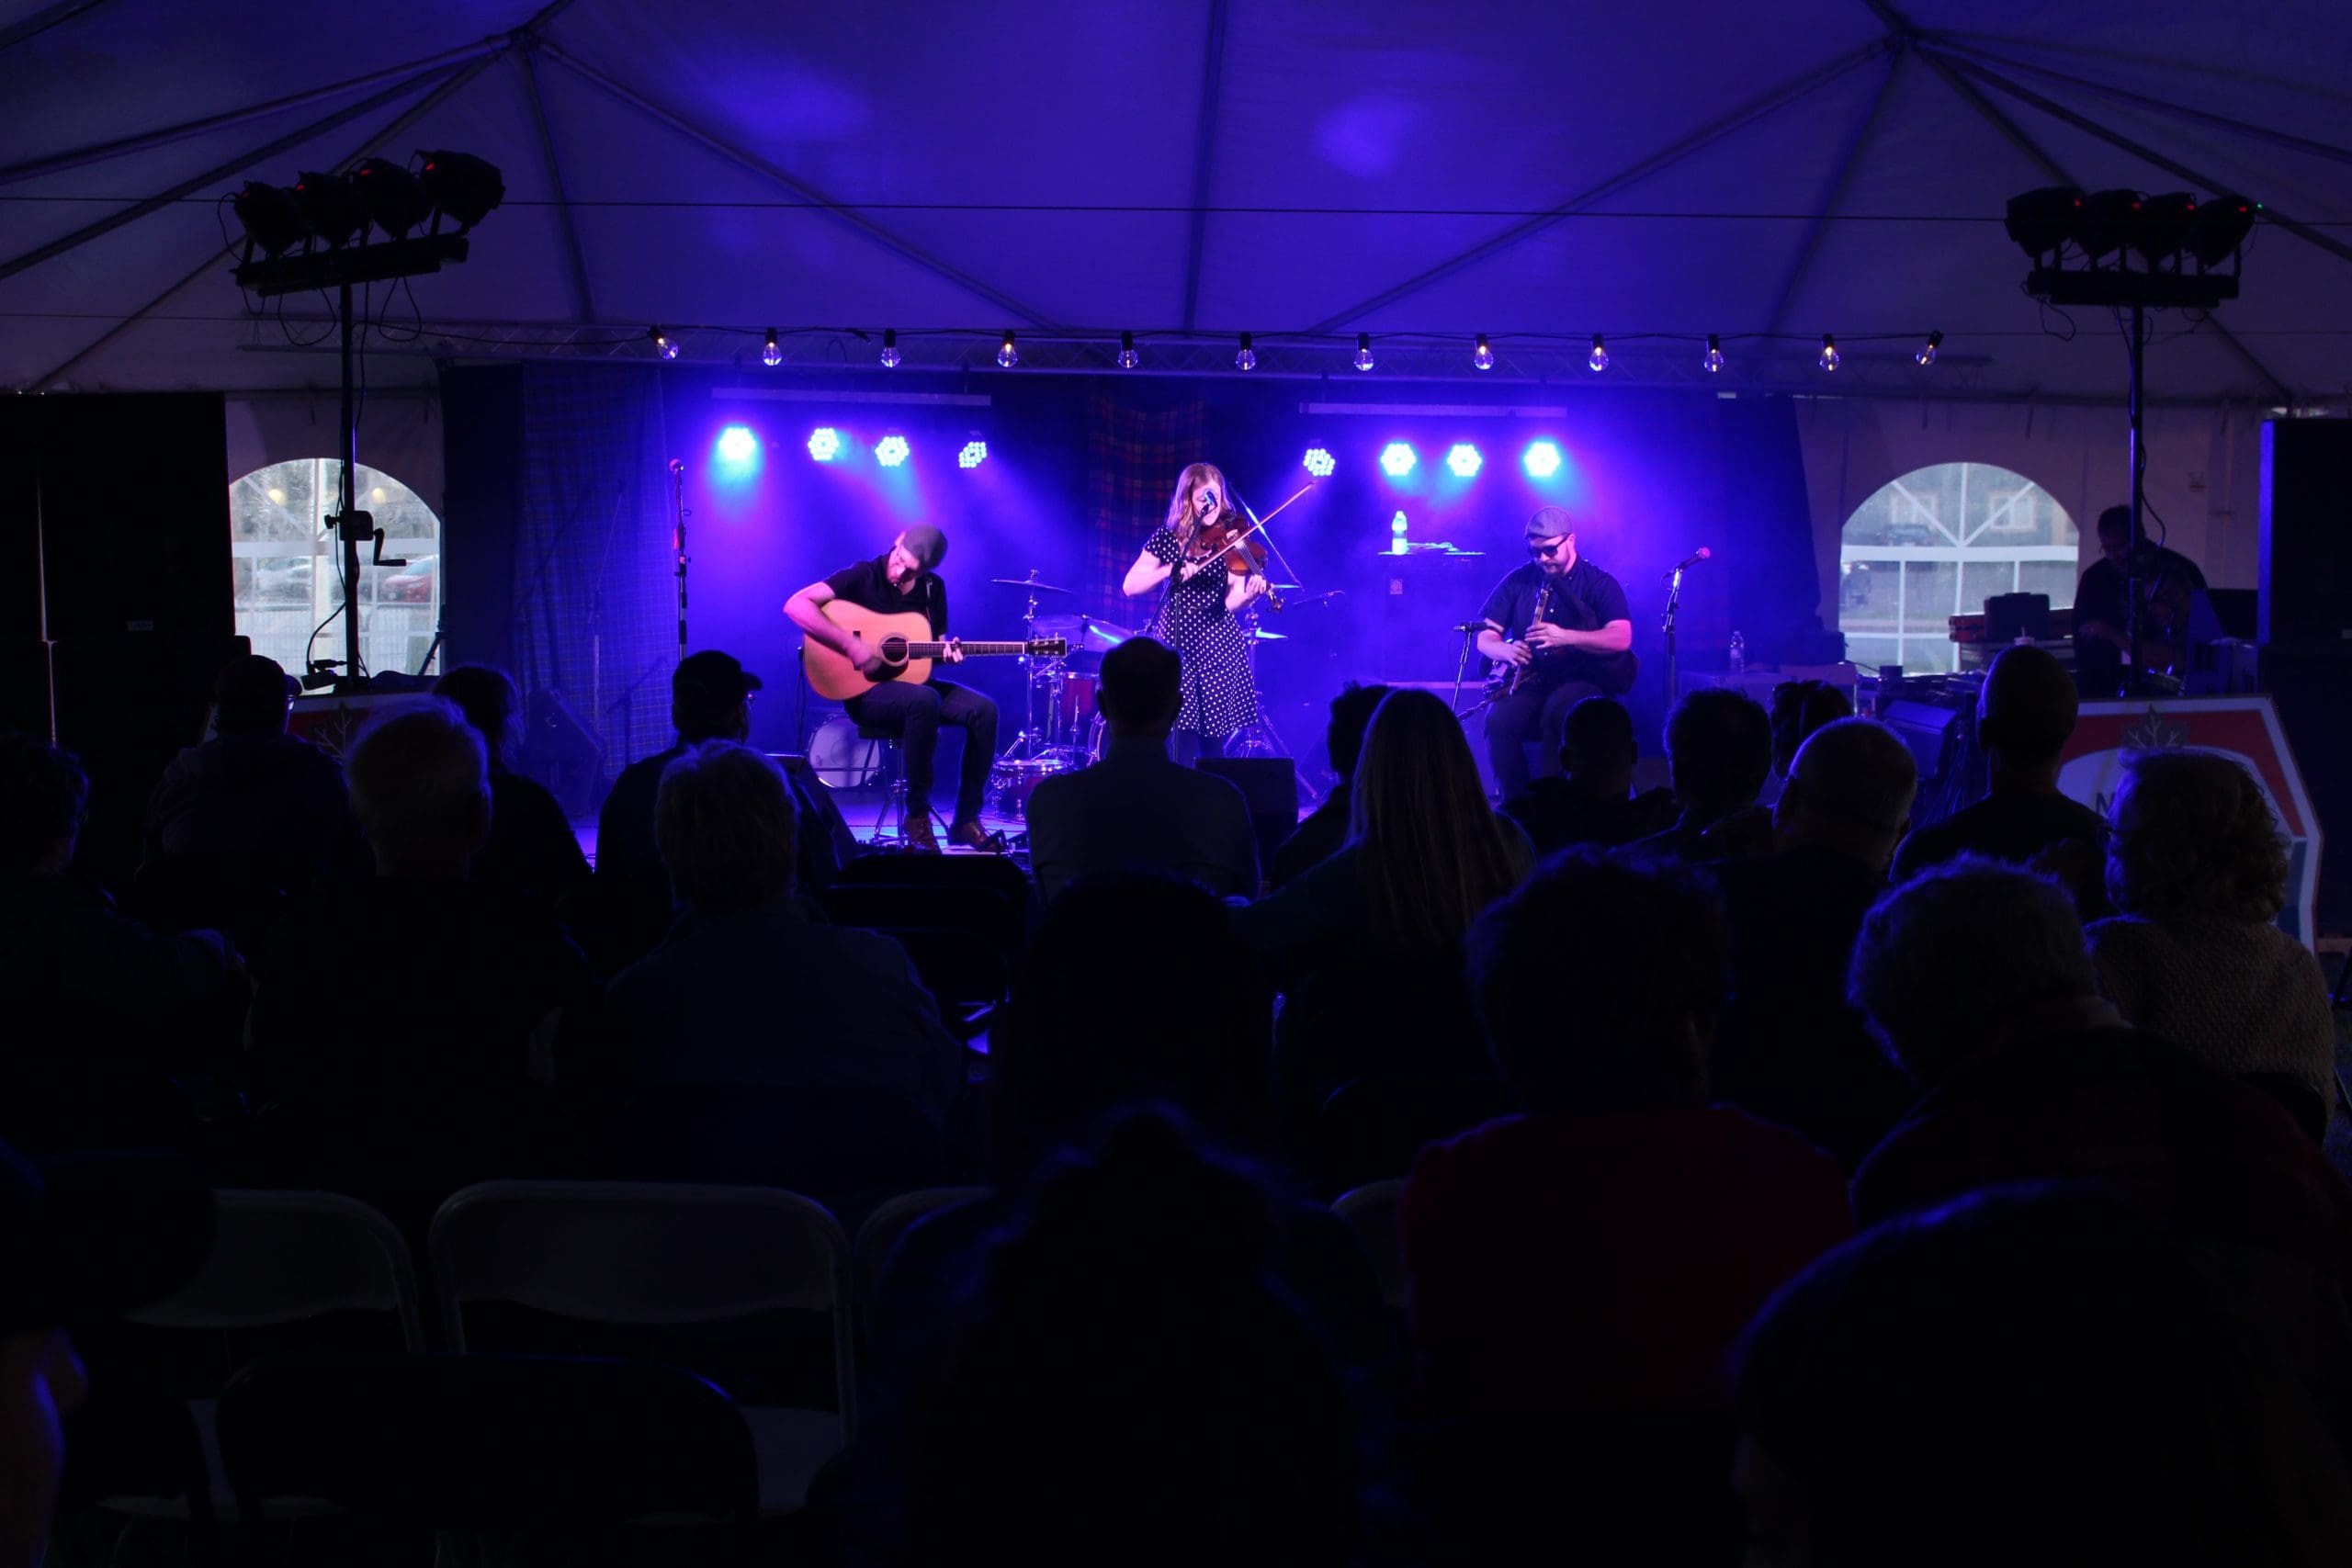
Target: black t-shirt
[(867, 586), (1584, 599), (2016, 827), (2100, 594)]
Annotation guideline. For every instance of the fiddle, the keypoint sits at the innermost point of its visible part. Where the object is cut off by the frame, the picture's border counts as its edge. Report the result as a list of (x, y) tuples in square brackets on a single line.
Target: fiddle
[(1243, 555)]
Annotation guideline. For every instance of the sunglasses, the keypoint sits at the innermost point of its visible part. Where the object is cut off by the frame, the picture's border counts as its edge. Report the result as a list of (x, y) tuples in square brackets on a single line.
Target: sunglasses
[(1546, 550)]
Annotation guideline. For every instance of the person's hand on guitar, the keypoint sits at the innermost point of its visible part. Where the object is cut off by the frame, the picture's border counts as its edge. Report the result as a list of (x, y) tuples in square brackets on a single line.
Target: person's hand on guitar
[(865, 657), (1515, 653), (951, 652)]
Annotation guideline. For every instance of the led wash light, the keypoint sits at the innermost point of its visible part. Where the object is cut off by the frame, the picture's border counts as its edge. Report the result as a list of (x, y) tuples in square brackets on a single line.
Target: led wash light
[(1397, 459), (1319, 462), (892, 451), (738, 445), (1541, 459), (974, 453), (1464, 461), (824, 444)]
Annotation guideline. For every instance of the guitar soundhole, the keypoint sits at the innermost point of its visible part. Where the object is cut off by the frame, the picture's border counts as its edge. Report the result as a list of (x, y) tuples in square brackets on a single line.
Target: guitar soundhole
[(894, 650)]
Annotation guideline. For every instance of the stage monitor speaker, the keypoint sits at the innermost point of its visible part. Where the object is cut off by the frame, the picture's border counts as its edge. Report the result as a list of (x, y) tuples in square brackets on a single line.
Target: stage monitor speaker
[(1422, 597), (1929, 729), (1269, 785), (111, 558), (825, 843), (2306, 561)]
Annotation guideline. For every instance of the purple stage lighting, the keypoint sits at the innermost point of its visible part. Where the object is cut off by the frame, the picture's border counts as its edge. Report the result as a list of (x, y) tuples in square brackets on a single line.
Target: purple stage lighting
[(737, 446), (974, 453), (1464, 461), (890, 451), (1320, 462), (1397, 459), (824, 444), (1541, 459)]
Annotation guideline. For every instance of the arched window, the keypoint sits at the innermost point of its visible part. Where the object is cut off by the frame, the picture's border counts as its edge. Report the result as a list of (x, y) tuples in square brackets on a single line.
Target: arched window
[(1938, 543), (289, 566)]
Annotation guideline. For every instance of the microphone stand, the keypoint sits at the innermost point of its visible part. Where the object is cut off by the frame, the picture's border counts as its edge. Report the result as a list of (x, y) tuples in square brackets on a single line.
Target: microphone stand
[(1673, 604), (1469, 631), (678, 541)]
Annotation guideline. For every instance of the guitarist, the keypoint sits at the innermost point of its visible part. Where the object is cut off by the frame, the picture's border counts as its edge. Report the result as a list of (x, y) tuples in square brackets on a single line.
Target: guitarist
[(903, 579), (1580, 647)]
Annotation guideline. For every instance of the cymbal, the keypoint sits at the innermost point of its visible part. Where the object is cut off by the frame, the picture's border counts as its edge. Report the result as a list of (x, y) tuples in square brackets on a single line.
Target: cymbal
[(1083, 632), (1030, 582)]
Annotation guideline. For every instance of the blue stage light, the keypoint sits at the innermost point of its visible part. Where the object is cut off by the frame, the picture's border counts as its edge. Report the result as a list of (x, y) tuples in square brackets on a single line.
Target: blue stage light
[(1320, 462), (738, 445), (974, 453), (824, 444), (1541, 459), (892, 451), (1464, 461), (1397, 459)]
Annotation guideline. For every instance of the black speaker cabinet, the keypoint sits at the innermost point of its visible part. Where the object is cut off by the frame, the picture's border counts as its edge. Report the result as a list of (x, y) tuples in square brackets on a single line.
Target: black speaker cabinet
[(1271, 787), (2306, 601)]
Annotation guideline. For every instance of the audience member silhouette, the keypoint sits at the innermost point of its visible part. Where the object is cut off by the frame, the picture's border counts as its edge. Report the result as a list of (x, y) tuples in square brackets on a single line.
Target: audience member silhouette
[(710, 699), (95, 999), (1593, 801), (1976, 977), (1792, 1050), (400, 1019), (2027, 1376), (1800, 708), (1719, 751), (1137, 806), (752, 987), (532, 846), (2197, 866), (1133, 1386), (2024, 715), (254, 796), (1326, 828), (1605, 1249), (1367, 946)]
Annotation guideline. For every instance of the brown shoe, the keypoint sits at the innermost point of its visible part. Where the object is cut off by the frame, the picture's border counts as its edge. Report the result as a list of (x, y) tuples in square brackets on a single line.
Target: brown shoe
[(919, 834), (971, 835)]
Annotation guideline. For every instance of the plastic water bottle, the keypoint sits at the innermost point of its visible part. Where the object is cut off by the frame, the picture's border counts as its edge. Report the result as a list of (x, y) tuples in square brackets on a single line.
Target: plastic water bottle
[(1738, 654)]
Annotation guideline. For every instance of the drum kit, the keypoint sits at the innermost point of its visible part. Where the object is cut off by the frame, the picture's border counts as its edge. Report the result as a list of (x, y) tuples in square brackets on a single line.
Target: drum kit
[(1060, 728)]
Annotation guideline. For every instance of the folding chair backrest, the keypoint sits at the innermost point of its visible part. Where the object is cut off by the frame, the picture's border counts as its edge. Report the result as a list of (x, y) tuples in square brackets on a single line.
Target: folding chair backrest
[(1372, 1211), (280, 1258), (889, 1221), (487, 1442), (968, 871), (958, 967), (983, 911)]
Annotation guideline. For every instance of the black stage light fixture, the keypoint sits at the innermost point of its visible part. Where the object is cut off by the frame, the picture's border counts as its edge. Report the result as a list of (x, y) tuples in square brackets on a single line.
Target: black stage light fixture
[(2164, 226), (465, 189), (2042, 222), (2220, 227), (393, 198), (2107, 221), (331, 207), (272, 218)]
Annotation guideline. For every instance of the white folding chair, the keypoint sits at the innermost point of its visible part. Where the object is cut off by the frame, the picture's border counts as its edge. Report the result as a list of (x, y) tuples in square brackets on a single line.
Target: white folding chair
[(653, 1253), (1371, 1212), (879, 1237), (280, 1259)]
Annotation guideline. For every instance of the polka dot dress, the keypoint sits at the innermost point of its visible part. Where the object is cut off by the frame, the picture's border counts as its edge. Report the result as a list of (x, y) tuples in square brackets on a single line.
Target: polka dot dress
[(1219, 696)]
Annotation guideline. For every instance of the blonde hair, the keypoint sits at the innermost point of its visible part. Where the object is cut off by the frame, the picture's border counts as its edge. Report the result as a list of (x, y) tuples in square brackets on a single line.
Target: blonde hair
[(1178, 511), (1431, 853)]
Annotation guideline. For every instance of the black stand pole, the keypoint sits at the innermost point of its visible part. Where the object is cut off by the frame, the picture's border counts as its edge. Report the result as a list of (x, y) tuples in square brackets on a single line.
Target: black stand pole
[(2138, 452), (350, 522), (1673, 605), (678, 540)]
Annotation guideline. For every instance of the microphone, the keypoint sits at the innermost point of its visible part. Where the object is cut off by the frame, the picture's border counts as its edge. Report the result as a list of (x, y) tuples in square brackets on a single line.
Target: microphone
[(1205, 504), (1687, 562), (677, 467), (1468, 626)]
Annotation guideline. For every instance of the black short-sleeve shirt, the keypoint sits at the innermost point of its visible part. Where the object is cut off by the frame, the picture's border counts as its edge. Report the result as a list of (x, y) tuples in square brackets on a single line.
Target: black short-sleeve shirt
[(868, 585), (1584, 599)]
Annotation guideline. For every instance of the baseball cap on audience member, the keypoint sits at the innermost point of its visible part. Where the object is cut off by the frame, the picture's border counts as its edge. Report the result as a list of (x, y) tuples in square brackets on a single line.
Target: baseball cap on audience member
[(713, 679), (89, 1236)]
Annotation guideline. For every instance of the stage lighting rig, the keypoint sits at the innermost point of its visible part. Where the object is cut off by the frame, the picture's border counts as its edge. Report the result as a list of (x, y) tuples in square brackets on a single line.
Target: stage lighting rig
[(2105, 221), (331, 208), (2121, 224), (2163, 229), (2042, 222), (2220, 227), (465, 189), (394, 200), (272, 219)]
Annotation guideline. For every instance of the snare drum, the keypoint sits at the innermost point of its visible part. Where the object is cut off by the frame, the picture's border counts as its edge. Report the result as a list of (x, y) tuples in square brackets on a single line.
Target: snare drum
[(1013, 781)]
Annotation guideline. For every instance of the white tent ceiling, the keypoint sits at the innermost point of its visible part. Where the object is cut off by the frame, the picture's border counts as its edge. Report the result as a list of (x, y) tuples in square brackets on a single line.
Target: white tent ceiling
[(1302, 169)]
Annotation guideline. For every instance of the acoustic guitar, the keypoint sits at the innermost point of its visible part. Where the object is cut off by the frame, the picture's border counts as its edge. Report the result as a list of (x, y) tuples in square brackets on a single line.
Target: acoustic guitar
[(905, 644)]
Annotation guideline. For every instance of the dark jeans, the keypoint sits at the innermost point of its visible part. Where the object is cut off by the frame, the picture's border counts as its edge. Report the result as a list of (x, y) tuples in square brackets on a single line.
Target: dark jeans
[(1534, 710), (915, 714)]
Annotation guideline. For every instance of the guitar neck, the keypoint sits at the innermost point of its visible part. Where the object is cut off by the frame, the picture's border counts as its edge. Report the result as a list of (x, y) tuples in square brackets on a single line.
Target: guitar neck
[(935, 650)]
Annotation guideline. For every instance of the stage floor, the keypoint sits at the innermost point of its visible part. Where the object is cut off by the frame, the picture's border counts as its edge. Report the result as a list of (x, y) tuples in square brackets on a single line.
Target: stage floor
[(860, 808)]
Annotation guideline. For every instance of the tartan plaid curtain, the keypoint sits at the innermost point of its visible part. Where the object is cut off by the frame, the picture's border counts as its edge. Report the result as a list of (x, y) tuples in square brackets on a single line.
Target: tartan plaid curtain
[(1133, 456), (595, 596)]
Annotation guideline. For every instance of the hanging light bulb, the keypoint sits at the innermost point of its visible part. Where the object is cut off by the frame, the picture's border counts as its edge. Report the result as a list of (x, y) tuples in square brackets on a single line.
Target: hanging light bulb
[(1006, 354), (663, 343), (1927, 354), (1364, 351), (1246, 359), (1829, 355), (1599, 358), (1482, 358), (771, 352), (1714, 359), (1129, 357), (891, 355)]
